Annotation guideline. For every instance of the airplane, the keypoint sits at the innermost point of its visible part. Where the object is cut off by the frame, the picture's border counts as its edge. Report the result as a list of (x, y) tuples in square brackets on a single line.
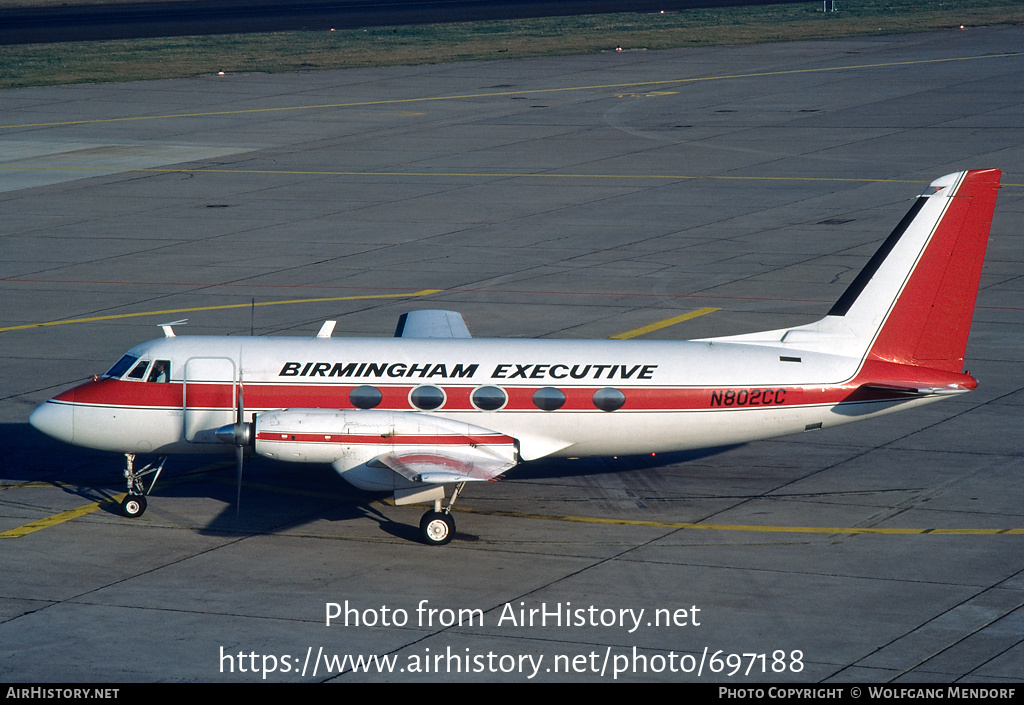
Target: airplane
[(433, 407)]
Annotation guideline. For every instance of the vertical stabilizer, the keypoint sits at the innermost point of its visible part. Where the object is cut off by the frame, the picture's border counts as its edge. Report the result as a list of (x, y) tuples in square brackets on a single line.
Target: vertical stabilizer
[(915, 299)]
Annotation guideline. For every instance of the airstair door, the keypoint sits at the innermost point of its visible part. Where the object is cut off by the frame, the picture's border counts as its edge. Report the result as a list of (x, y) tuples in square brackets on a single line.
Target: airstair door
[(209, 397)]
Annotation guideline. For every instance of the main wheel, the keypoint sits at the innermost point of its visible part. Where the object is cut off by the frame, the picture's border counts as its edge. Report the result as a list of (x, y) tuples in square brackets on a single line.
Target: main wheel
[(437, 528), (133, 505)]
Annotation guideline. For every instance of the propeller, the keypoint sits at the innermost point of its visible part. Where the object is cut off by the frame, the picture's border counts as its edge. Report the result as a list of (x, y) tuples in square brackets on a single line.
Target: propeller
[(240, 435)]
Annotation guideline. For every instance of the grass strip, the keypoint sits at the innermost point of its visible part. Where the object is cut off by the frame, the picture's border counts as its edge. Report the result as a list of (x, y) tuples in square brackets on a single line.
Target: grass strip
[(183, 57)]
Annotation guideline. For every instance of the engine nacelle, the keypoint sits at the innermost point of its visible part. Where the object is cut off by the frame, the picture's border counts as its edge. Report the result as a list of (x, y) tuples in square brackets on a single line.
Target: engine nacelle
[(323, 435), (414, 447)]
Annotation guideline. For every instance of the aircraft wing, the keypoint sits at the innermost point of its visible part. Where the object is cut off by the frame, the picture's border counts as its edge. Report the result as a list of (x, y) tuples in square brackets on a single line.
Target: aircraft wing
[(432, 324), (419, 447), (440, 465)]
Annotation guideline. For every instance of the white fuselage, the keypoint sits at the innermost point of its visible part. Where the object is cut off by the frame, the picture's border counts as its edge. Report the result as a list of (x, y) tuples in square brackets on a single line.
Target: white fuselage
[(656, 396)]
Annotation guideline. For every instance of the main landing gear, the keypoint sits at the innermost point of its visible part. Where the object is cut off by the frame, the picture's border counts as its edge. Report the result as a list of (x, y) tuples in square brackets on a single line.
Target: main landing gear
[(437, 527), (134, 503)]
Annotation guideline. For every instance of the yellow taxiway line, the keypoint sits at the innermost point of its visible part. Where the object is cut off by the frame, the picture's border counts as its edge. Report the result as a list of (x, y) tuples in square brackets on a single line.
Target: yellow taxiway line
[(537, 91), (423, 292), (636, 332), (166, 312), (62, 517), (744, 527), (463, 174), (482, 175), (59, 518)]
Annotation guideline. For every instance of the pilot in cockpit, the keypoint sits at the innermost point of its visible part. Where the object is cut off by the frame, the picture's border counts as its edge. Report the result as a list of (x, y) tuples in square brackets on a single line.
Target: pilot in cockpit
[(160, 372)]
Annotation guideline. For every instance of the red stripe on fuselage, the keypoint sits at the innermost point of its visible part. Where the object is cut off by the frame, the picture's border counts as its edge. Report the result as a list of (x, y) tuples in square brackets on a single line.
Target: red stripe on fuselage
[(118, 393), (375, 439), (115, 392)]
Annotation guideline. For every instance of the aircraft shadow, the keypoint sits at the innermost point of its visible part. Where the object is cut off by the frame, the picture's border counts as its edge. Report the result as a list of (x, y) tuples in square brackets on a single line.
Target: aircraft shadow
[(275, 496), (564, 467)]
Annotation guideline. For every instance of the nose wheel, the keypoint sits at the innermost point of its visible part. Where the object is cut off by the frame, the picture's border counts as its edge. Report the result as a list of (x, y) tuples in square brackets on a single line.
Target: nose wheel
[(133, 505)]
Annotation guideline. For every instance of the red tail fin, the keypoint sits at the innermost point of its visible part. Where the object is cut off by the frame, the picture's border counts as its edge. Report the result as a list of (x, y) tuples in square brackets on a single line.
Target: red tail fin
[(929, 322)]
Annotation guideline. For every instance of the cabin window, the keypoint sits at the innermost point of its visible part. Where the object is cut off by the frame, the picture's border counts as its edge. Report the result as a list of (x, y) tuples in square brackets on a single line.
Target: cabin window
[(489, 398), (365, 397), (548, 398), (609, 399), (427, 398), (161, 371), (139, 371), (121, 366)]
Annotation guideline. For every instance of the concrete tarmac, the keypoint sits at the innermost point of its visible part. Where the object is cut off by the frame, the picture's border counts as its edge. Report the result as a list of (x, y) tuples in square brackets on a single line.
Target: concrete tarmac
[(576, 197)]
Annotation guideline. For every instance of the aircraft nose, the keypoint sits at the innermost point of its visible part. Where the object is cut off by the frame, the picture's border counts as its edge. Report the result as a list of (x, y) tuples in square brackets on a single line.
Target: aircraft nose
[(55, 420)]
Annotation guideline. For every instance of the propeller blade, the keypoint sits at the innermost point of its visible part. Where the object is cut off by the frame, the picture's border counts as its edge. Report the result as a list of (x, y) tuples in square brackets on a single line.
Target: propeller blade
[(239, 455), (239, 449)]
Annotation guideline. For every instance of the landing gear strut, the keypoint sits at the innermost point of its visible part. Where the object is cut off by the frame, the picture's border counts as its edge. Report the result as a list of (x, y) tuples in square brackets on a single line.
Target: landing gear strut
[(134, 503), (437, 527)]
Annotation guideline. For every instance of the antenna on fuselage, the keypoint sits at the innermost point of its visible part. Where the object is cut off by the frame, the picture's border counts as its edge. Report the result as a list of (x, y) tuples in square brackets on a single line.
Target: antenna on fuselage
[(166, 327)]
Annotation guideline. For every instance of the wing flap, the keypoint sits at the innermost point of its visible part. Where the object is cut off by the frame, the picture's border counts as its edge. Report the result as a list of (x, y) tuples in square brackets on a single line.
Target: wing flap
[(433, 465)]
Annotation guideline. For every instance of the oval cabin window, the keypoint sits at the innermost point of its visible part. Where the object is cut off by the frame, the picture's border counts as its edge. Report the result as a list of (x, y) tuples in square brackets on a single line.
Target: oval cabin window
[(427, 398), (548, 399), (609, 399), (365, 397)]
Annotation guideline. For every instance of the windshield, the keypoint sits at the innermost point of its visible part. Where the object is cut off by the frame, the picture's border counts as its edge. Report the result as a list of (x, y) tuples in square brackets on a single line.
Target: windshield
[(121, 366), (139, 371)]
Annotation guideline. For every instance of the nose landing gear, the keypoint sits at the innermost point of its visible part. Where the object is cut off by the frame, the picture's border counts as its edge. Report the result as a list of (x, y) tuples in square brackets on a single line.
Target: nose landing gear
[(134, 503)]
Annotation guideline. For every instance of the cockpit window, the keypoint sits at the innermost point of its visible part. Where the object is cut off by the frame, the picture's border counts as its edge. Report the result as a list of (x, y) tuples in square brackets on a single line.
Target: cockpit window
[(121, 366), (139, 371), (161, 371)]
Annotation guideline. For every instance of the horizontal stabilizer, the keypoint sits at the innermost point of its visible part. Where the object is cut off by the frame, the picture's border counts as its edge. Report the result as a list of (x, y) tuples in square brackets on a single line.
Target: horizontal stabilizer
[(432, 324), (915, 390)]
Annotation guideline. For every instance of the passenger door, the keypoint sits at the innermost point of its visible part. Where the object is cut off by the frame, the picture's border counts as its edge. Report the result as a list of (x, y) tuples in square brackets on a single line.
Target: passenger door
[(208, 397)]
